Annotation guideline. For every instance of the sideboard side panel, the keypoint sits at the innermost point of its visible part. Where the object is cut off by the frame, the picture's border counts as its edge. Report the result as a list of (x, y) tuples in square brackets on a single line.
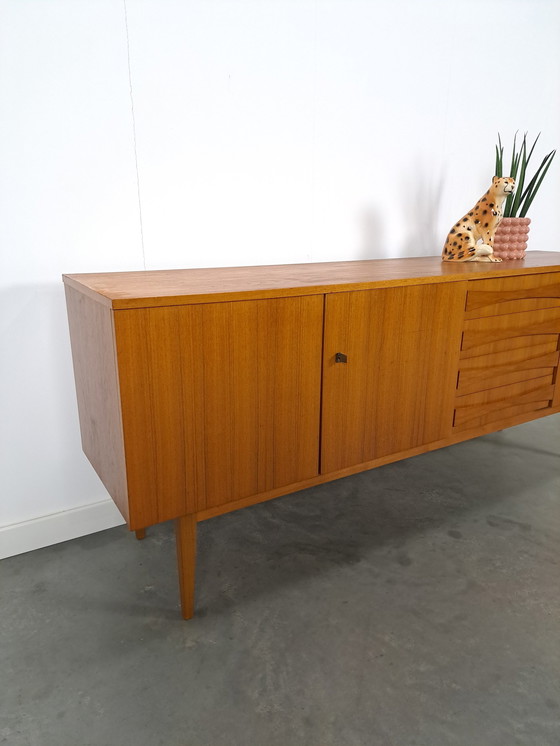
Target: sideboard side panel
[(97, 390)]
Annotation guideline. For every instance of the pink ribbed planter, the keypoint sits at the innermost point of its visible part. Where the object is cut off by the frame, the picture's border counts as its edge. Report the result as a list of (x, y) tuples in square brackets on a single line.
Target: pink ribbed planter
[(510, 240)]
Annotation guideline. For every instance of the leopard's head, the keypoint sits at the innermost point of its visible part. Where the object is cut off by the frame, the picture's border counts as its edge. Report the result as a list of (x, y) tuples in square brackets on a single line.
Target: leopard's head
[(503, 185)]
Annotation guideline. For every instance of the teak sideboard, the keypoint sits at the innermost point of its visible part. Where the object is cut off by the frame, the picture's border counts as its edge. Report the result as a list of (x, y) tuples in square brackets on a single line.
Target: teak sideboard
[(202, 391)]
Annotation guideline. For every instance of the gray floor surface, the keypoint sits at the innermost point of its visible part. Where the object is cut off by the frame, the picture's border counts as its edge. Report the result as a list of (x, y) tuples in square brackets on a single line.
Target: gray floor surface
[(416, 604)]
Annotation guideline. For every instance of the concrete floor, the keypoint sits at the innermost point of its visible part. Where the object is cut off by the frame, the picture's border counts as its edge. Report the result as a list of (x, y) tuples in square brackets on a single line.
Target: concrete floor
[(417, 604)]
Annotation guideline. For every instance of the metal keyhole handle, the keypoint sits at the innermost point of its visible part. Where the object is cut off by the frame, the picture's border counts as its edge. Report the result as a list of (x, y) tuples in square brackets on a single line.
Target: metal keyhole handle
[(340, 357)]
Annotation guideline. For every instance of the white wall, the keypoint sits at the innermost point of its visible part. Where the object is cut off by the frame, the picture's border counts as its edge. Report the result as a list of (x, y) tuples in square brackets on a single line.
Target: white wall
[(267, 131)]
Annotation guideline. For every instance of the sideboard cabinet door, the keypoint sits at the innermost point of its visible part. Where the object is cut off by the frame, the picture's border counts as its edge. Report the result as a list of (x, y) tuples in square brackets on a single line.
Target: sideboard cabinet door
[(219, 401), (390, 369)]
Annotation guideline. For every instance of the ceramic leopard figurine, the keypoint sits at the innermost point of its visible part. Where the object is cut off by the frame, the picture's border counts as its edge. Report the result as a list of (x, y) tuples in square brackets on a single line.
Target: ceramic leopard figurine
[(479, 223)]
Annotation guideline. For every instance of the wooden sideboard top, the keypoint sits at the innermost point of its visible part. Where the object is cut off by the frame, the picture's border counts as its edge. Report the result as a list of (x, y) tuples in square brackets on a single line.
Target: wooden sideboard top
[(121, 290)]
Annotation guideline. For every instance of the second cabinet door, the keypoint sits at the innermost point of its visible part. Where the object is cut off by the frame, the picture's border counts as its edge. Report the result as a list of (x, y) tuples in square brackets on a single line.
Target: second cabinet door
[(392, 387)]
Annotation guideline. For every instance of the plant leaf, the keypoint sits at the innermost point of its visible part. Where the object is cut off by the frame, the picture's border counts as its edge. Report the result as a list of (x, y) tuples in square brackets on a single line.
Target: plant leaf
[(531, 151), (536, 176), (514, 158), (499, 157), (498, 167), (520, 183), (531, 197)]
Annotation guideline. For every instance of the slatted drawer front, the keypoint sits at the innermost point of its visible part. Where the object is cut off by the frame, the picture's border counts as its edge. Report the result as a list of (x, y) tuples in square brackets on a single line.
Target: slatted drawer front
[(482, 407), (509, 358), (507, 295), (499, 369), (481, 331)]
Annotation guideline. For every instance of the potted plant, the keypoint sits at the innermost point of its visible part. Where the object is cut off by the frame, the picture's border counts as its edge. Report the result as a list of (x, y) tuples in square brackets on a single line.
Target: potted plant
[(510, 240)]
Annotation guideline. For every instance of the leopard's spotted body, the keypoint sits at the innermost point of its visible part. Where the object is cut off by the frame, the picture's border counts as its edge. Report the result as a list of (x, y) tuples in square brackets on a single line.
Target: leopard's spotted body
[(479, 223)]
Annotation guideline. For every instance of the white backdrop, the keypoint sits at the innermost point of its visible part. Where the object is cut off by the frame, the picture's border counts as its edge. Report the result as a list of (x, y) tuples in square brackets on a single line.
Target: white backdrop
[(264, 131)]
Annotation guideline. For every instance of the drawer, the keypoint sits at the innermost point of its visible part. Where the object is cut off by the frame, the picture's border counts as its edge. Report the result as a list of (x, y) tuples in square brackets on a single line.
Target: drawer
[(493, 405), (482, 331), (531, 346), (479, 420), (506, 295), (490, 371)]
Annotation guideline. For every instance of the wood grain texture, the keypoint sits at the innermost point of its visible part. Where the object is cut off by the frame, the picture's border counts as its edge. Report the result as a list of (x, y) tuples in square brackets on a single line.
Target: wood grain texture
[(493, 328), (220, 401), (499, 370), (514, 306), (556, 397), (95, 375), (185, 539), (469, 408), (513, 347), (499, 415), (512, 295), (396, 390), (121, 290), (458, 435), (498, 378)]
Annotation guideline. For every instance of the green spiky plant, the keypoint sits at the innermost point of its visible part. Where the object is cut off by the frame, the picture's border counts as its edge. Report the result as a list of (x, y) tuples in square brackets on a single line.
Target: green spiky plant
[(518, 203)]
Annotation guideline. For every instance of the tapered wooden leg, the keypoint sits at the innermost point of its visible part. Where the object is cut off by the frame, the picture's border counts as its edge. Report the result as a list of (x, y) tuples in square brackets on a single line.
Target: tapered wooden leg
[(140, 533), (185, 536)]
